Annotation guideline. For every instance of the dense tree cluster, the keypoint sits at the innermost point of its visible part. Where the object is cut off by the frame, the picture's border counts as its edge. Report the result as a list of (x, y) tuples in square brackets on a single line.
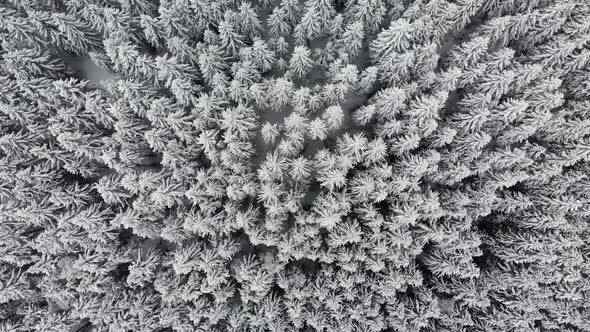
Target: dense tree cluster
[(295, 165)]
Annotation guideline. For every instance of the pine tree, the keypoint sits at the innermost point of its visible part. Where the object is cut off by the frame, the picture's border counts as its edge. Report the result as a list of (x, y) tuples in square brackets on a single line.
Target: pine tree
[(397, 38), (231, 40), (352, 39), (300, 62), (314, 22)]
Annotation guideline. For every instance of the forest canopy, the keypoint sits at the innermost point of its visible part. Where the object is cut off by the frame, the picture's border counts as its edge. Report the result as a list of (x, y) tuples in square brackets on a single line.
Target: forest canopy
[(295, 165)]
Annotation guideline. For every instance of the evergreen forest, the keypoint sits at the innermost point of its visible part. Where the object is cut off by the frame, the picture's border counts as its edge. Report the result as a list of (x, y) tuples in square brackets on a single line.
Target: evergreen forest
[(294, 165)]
